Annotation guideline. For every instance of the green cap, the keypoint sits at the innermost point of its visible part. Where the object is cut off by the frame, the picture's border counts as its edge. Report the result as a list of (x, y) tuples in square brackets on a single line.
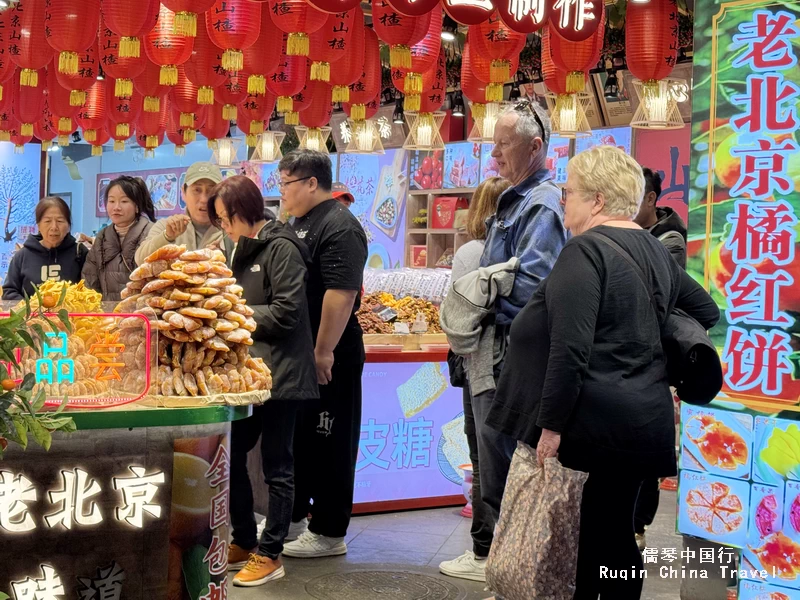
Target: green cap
[(202, 170)]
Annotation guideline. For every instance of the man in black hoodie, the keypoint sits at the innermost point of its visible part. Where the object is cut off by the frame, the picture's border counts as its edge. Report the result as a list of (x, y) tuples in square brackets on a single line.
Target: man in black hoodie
[(664, 223)]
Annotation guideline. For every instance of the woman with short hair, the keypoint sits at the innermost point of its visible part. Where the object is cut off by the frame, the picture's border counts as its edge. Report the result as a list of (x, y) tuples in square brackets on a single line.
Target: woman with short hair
[(52, 253), (586, 376)]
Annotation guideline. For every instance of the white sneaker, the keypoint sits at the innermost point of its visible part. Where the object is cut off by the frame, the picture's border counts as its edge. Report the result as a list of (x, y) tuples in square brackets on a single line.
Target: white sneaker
[(296, 530), (466, 566), (311, 545), (641, 542)]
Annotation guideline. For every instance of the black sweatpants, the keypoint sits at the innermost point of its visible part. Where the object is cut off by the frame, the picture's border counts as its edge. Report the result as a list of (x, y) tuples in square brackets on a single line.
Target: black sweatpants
[(326, 450), (646, 505)]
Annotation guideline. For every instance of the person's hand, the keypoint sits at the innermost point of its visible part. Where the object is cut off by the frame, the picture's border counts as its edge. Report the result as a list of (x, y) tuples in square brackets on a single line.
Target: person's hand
[(324, 366), (176, 225), (548, 445)]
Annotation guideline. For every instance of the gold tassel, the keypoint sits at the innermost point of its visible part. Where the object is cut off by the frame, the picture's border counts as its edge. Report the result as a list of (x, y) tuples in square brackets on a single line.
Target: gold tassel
[(149, 153), (1, 92), (123, 130), (575, 81), (46, 145), (26, 129), (400, 57), (30, 78), (256, 85), (229, 112), (77, 97), (232, 60), (320, 71), (251, 140), (90, 135), (119, 146), (68, 62), (478, 110), (151, 141), (97, 151), (340, 93), (5, 136), (412, 102), (494, 92), (358, 112), (189, 135), (152, 103), (64, 124), (123, 88), (180, 150), (63, 140), (256, 127), (129, 47), (500, 71), (297, 44), (292, 118), (285, 104), (187, 120), (185, 24), (168, 75), (205, 95), (413, 84), (19, 149), (212, 144)]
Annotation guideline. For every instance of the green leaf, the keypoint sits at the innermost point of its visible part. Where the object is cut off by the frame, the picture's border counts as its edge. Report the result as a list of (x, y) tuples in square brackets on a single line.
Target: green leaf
[(22, 430), (38, 402), (63, 295), (4, 371), (63, 314), (39, 298), (53, 324), (40, 434), (10, 428), (195, 572), (3, 596), (39, 331), (28, 339), (63, 404), (58, 424), (28, 382)]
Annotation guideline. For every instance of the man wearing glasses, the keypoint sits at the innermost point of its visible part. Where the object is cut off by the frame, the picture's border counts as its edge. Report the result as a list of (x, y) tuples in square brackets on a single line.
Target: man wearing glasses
[(326, 439)]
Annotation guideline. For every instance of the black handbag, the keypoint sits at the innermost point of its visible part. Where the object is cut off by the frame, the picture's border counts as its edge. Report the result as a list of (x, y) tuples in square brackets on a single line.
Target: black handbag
[(693, 365), (455, 364)]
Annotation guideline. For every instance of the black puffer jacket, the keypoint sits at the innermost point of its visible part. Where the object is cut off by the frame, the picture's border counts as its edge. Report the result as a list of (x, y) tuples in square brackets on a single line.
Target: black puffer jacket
[(273, 270), (33, 264), (110, 262)]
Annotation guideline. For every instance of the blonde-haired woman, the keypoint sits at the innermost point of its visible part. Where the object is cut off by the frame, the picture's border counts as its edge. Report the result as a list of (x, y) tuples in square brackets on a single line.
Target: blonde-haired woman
[(471, 564), (585, 377)]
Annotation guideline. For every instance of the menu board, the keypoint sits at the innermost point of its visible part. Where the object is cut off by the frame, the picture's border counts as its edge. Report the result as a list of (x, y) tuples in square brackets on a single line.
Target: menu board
[(618, 136)]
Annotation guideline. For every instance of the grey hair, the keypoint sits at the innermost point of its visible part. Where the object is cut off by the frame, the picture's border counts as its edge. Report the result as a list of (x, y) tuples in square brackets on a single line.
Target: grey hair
[(527, 127)]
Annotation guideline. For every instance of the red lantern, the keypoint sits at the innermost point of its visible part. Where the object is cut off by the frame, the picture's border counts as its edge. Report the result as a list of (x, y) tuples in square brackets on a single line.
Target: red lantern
[(145, 142), (7, 66), (99, 137), (423, 56), (495, 41), (71, 29), (651, 39), (204, 68), (19, 140), (330, 43), (434, 85), (152, 125), (524, 17), (190, 131), (84, 79), (233, 25), (576, 21), (28, 102), (298, 19), (123, 70), (468, 12), (184, 97), (318, 114), (554, 79), (369, 84), (300, 101), (8, 123), (261, 59), (130, 20), (473, 88), (123, 112), (231, 93), (93, 114), (399, 31), (414, 8), (176, 134), (27, 41), (148, 84), (482, 69), (58, 97), (350, 68), (332, 6), (167, 49), (65, 128), (44, 131), (287, 81), (576, 58), (370, 108), (254, 113), (216, 126), (186, 13)]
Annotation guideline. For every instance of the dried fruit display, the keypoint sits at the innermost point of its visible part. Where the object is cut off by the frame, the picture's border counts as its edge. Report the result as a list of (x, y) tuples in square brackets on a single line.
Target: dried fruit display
[(713, 508), (406, 308), (719, 445), (780, 553)]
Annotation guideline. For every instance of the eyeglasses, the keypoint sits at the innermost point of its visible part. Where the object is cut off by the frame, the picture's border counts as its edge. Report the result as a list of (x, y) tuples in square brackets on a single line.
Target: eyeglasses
[(524, 105), (283, 184)]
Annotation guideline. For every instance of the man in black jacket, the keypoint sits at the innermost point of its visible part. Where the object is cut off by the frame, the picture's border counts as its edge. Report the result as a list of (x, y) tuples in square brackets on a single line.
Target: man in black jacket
[(664, 223)]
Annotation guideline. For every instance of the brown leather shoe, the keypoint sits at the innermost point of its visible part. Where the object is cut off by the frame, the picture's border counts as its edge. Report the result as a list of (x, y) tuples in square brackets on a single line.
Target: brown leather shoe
[(238, 557), (258, 571)]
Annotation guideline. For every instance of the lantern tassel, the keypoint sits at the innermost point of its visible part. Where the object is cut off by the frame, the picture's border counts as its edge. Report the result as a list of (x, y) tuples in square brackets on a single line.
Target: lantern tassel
[(123, 130), (46, 145), (340, 93), (285, 104), (212, 144), (205, 95), (320, 71), (97, 151), (119, 146), (575, 81), (26, 129), (123, 88), (30, 78), (63, 140), (185, 24), (19, 149), (152, 104), (5, 136), (412, 102), (292, 118), (64, 124), (400, 57), (149, 153), (251, 140), (180, 150), (413, 83), (168, 75), (77, 97), (256, 127), (151, 141), (494, 92), (229, 112), (478, 110), (500, 71), (189, 135), (358, 112), (297, 44), (1, 92), (90, 135), (256, 85), (187, 119), (233, 60), (68, 63), (129, 47)]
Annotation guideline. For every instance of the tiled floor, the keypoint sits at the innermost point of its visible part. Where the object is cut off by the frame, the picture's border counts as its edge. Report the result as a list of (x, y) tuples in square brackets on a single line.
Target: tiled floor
[(419, 541)]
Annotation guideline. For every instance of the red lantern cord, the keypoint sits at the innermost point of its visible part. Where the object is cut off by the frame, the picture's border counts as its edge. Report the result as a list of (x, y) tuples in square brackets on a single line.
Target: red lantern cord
[(167, 49), (233, 25), (71, 29), (186, 12), (130, 20)]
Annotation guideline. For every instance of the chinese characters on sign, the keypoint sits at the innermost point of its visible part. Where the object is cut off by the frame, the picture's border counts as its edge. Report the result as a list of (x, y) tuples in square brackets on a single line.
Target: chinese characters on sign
[(411, 444), (218, 475)]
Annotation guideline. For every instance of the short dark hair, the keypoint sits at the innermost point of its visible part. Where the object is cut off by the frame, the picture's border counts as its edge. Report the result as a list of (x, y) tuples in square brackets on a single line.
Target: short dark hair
[(652, 182), (53, 202), (309, 163), (240, 197), (135, 189)]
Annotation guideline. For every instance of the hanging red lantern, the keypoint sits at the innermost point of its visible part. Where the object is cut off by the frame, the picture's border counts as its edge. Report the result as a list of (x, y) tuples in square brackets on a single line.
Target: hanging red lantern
[(287, 80), (122, 69), (651, 39), (204, 69), (186, 14), (130, 20), (434, 85), (469, 12), (495, 41), (254, 112), (93, 115), (119, 140), (176, 134), (58, 97), (44, 131), (576, 58), (184, 97), (554, 79), (576, 22), (123, 112), (84, 79), (7, 66), (299, 19), (370, 108), (482, 69), (369, 84), (332, 6), (28, 102), (71, 29), (99, 137), (232, 92), (216, 126), (189, 131), (423, 56), (27, 40), (233, 25), (414, 8), (149, 85), (145, 140), (8, 123), (318, 114), (399, 31), (261, 59), (523, 17), (167, 49), (350, 68), (64, 126), (472, 87), (19, 141), (300, 101), (152, 124), (330, 43)]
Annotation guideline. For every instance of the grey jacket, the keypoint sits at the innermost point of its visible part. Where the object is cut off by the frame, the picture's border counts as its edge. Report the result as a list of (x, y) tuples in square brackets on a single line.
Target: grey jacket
[(155, 239), (463, 318)]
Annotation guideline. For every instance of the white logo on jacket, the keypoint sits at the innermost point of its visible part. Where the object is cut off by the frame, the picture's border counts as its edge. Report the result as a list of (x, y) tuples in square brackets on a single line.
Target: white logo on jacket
[(51, 272)]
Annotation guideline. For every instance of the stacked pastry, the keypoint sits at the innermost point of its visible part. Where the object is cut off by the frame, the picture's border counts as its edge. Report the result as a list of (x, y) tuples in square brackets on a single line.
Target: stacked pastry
[(204, 324)]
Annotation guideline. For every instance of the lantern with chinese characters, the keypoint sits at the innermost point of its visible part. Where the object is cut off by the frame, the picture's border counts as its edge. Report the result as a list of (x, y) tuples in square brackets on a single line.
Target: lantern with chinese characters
[(315, 118), (167, 49), (287, 80), (330, 43), (84, 79), (28, 102), (204, 68), (423, 56), (332, 6), (424, 125), (123, 70), (370, 108), (576, 20), (19, 140), (143, 140), (184, 97), (149, 85), (176, 134), (468, 12), (576, 58), (130, 20), (473, 88), (567, 108), (8, 123), (216, 126), (261, 59), (414, 8), (65, 127), (99, 137), (7, 66), (399, 31), (369, 84), (300, 101), (27, 41), (58, 98), (350, 68), (123, 112), (494, 40), (71, 29), (253, 114), (232, 92), (523, 17), (93, 114), (482, 69), (233, 25), (187, 13), (299, 19), (190, 131), (44, 131), (152, 125)]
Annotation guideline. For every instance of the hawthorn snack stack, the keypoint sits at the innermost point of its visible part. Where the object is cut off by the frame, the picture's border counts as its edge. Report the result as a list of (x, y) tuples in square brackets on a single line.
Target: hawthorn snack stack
[(204, 324)]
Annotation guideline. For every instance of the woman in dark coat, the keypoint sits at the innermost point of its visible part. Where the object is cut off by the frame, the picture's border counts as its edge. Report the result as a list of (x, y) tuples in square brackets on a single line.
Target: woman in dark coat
[(270, 263), (111, 259)]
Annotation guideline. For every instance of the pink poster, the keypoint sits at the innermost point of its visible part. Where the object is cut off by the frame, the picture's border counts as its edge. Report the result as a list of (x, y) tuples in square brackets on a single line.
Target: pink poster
[(667, 152)]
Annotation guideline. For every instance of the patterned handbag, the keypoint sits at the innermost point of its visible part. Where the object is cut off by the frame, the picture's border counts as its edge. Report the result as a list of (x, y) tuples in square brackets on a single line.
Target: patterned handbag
[(535, 549)]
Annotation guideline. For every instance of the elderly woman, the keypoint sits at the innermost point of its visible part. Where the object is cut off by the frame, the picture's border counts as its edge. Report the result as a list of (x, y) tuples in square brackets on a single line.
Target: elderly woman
[(586, 377)]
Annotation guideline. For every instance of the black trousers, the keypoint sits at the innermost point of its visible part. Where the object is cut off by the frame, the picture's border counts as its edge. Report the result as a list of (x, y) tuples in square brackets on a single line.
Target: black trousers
[(482, 530), (326, 450), (646, 505), (275, 423)]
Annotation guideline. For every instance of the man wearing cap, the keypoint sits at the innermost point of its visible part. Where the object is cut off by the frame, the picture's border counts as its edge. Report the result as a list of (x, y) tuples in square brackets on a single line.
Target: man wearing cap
[(194, 229), (341, 192)]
